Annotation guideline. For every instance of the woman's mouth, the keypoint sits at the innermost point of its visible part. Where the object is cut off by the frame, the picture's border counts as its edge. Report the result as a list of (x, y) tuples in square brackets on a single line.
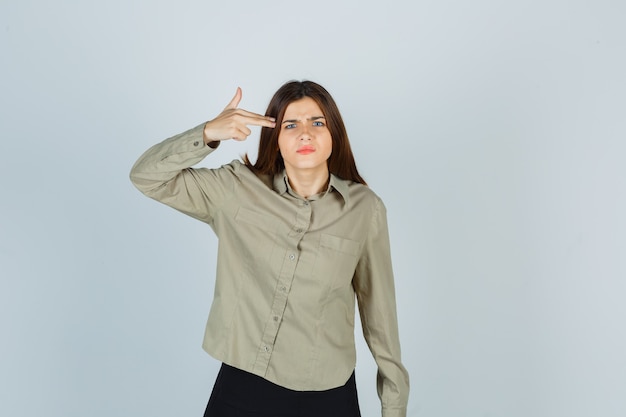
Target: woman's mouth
[(305, 150)]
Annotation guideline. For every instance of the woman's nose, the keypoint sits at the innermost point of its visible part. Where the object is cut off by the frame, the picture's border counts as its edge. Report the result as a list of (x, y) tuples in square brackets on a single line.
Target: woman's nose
[(306, 134)]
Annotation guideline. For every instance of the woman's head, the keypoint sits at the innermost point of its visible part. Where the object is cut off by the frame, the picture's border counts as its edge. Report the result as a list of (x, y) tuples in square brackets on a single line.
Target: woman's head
[(341, 161)]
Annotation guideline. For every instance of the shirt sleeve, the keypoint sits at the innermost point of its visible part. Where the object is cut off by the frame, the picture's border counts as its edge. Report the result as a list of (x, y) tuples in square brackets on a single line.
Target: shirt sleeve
[(163, 173), (374, 287)]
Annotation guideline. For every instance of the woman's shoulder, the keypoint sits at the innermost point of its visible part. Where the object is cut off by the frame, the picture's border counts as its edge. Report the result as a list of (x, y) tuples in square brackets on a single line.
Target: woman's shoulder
[(362, 194), (246, 175), (233, 171), (236, 167)]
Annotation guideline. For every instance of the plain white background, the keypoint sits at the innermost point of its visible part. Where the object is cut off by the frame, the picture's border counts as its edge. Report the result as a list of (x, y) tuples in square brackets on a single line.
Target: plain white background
[(494, 131)]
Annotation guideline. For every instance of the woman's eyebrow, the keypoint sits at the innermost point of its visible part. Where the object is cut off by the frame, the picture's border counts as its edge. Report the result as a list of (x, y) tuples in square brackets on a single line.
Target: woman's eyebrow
[(297, 120)]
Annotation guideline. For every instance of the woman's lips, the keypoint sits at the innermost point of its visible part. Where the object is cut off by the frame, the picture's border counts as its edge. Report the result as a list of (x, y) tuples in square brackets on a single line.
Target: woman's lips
[(305, 150)]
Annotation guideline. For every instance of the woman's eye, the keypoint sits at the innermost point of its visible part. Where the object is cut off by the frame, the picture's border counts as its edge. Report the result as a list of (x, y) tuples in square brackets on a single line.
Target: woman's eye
[(290, 126), (318, 123)]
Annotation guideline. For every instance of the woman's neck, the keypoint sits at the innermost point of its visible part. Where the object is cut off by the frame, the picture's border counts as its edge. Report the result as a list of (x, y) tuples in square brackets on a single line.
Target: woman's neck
[(307, 183)]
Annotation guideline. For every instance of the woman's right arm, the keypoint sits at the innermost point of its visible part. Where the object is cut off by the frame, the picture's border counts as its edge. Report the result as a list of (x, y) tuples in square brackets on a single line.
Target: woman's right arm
[(164, 171)]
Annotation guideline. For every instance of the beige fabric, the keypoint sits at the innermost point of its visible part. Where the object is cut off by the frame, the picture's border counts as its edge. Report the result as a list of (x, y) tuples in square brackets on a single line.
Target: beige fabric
[(288, 270)]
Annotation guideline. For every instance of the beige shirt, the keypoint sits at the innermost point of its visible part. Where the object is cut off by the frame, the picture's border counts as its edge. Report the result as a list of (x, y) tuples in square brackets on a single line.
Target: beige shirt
[(288, 269)]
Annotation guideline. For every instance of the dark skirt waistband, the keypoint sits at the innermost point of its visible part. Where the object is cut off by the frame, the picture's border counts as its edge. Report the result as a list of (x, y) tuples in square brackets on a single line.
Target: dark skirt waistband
[(238, 393)]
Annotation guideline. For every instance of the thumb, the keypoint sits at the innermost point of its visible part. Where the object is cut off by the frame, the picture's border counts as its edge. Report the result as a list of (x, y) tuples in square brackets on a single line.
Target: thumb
[(235, 101)]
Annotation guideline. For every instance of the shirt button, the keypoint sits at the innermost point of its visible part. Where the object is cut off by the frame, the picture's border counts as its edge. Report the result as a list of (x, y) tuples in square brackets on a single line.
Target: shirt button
[(306, 203), (298, 230), (292, 256), (275, 318), (196, 143), (266, 348), (283, 289)]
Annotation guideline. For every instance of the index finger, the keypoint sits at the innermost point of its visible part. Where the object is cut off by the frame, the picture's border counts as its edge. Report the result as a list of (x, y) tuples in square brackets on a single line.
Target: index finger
[(254, 119)]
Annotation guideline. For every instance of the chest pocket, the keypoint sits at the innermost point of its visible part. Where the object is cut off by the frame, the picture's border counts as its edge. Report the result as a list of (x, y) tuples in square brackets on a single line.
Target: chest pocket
[(336, 260)]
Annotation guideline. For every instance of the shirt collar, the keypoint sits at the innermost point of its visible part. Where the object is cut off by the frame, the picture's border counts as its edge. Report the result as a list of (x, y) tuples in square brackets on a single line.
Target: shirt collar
[(281, 186)]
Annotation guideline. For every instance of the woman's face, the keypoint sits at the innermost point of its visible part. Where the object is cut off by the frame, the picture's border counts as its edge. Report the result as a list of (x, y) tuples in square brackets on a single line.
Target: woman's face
[(304, 139)]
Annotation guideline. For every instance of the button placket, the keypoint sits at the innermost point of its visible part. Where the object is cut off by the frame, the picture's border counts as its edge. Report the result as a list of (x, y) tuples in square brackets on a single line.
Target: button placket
[(302, 221)]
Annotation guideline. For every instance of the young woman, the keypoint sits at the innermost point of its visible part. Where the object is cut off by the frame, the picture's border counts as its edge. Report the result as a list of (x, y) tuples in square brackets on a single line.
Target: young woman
[(300, 237)]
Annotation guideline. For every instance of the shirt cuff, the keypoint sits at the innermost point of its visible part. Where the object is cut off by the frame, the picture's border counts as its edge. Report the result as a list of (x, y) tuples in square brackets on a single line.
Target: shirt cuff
[(394, 412), (194, 140)]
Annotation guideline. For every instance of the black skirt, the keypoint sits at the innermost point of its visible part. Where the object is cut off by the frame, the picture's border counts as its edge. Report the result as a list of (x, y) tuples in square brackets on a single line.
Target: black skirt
[(241, 394)]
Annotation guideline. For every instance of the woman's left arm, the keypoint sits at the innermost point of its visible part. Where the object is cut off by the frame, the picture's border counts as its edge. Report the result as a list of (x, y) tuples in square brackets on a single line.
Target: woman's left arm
[(374, 286)]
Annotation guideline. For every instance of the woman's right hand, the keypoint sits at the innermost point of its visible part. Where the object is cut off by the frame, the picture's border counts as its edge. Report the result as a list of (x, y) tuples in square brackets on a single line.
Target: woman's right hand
[(232, 123)]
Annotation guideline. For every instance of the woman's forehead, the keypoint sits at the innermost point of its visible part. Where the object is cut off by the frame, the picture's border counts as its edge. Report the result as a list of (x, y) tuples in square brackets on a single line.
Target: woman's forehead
[(305, 107)]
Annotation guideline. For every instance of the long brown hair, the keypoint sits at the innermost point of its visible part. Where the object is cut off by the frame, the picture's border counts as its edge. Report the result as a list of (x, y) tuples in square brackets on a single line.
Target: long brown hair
[(270, 162)]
